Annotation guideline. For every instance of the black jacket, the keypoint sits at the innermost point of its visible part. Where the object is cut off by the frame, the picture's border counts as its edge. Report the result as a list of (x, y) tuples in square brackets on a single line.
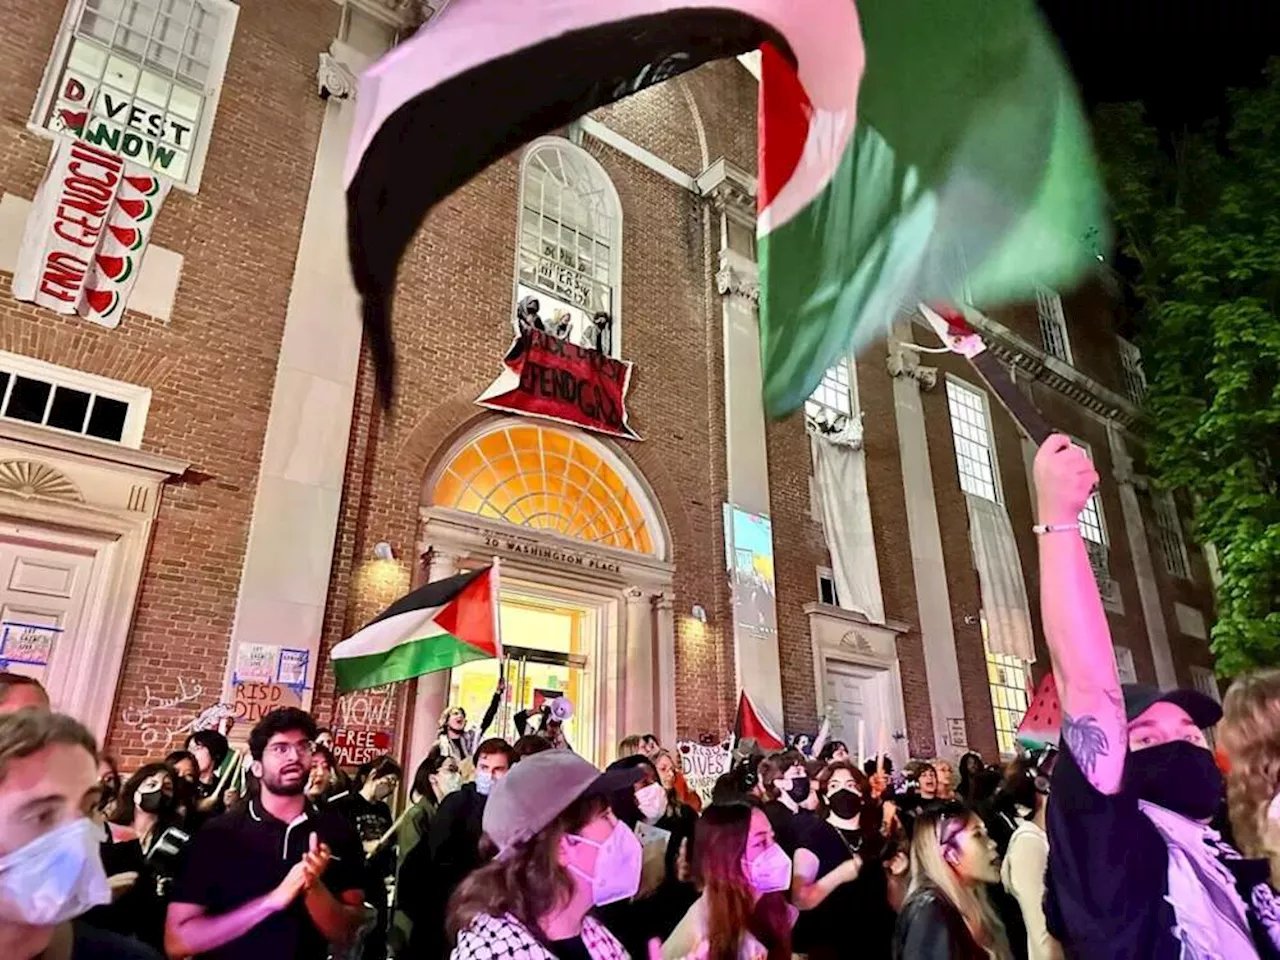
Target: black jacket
[(436, 865), (930, 928)]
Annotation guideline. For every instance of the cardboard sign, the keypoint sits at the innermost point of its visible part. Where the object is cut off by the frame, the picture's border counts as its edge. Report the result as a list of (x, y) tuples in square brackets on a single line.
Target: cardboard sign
[(551, 378), (703, 765), (88, 228)]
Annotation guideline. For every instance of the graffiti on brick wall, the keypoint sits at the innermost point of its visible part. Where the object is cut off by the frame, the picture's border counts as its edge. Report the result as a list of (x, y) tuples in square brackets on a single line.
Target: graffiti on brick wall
[(159, 720)]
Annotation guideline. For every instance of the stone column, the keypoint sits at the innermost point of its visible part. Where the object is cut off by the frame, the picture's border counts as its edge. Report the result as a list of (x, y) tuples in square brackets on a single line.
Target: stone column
[(1139, 549), (637, 672), (665, 667), (430, 692), (732, 195), (285, 579), (927, 564)]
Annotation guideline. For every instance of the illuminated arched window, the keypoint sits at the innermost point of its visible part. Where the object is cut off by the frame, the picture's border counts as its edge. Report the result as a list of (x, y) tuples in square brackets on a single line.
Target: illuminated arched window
[(548, 479), (570, 254)]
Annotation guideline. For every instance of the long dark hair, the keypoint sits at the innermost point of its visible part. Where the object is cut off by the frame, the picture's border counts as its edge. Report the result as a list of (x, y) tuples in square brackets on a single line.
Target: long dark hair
[(125, 809), (720, 841), (527, 883)]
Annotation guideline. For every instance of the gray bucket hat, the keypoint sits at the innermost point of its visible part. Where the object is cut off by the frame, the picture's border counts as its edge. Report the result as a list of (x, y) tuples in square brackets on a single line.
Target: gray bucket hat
[(538, 789)]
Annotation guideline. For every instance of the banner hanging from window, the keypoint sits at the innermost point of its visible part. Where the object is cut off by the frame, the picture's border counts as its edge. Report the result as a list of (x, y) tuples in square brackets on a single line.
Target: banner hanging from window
[(84, 239), (545, 376)]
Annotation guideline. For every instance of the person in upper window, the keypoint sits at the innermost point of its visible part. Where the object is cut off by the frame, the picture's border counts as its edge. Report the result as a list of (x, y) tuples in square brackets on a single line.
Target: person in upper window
[(17, 692), (947, 915), (275, 877), (743, 913), (560, 853), (1135, 869)]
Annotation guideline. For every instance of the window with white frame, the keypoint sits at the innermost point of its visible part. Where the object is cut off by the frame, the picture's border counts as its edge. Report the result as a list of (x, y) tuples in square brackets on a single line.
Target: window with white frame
[(1007, 678), (975, 446), (570, 254), (141, 79), (39, 393), (1124, 665), (1135, 378), (1091, 526), (833, 397), (1053, 324), (1169, 531), (827, 587)]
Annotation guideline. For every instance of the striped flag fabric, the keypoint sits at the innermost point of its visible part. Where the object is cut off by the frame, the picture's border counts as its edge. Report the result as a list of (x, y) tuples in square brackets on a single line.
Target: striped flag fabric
[(440, 625), (967, 177)]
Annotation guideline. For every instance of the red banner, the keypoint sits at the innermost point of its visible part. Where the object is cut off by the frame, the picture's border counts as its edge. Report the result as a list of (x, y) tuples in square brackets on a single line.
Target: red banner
[(558, 380)]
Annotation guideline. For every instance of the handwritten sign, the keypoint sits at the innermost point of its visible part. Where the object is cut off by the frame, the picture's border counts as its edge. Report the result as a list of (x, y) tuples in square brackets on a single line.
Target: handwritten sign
[(255, 663), (254, 701), (30, 644), (374, 707), (291, 670), (703, 765), (354, 747), (957, 733)]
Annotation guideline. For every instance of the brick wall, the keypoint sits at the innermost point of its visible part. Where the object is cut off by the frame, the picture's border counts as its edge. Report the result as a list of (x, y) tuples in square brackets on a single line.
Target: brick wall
[(212, 367)]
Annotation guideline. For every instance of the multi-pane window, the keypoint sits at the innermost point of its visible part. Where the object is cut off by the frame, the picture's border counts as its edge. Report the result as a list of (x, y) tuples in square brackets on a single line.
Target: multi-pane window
[(1135, 378), (569, 240), (971, 430), (1091, 528), (48, 396), (833, 397), (1169, 530), (140, 78), (1007, 678), (827, 587), (1053, 324)]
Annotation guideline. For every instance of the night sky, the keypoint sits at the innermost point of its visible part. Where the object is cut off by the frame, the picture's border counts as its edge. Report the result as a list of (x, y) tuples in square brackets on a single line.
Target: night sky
[(1177, 56)]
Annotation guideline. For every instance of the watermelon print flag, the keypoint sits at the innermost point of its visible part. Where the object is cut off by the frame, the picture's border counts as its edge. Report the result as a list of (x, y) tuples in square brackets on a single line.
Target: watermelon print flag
[(488, 76), (968, 175), (440, 625)]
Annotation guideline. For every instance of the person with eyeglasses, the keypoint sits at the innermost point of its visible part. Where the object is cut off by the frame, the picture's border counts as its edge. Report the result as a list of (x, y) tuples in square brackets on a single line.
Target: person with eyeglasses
[(277, 877)]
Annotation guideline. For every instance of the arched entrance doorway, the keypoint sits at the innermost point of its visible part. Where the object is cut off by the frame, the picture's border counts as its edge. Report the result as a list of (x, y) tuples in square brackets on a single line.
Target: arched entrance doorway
[(586, 595)]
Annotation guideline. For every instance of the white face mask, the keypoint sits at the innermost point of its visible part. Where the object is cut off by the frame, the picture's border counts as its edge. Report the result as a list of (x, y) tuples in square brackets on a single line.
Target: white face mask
[(447, 783), (484, 782), (770, 871), (54, 877), (652, 801), (618, 863)]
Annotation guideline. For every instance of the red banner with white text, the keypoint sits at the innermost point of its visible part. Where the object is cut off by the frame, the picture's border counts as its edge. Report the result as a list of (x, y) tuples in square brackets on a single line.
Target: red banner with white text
[(547, 377)]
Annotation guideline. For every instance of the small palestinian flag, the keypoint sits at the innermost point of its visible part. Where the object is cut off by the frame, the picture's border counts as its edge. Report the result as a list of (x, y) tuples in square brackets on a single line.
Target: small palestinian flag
[(440, 625), (751, 725)]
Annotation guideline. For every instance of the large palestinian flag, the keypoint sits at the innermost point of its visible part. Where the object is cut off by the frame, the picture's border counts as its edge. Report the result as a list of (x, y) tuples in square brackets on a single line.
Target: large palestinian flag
[(440, 625), (962, 159), (749, 724), (968, 177)]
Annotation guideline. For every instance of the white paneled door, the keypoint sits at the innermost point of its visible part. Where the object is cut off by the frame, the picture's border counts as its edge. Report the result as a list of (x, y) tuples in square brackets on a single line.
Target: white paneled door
[(853, 695), (44, 581)]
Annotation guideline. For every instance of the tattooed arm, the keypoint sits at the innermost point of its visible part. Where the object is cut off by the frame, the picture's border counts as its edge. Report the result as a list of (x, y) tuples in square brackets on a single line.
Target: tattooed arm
[(1075, 626)]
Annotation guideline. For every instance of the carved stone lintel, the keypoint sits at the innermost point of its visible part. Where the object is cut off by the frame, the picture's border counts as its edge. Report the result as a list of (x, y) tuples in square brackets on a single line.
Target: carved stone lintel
[(334, 80), (905, 362), (738, 277), (32, 480), (729, 189)]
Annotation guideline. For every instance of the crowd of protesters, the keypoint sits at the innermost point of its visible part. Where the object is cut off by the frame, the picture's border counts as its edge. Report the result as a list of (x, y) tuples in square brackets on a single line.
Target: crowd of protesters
[(1124, 841)]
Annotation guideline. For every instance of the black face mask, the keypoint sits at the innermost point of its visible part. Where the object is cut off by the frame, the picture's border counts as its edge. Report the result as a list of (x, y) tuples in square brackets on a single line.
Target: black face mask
[(157, 801), (1178, 776), (799, 791), (845, 804)]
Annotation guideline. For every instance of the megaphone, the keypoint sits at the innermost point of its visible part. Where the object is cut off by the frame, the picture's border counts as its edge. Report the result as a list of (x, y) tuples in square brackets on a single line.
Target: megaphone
[(561, 709)]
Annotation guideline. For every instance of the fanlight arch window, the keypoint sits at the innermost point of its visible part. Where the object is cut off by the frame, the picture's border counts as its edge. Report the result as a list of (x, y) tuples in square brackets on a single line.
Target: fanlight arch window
[(549, 480), (570, 252)]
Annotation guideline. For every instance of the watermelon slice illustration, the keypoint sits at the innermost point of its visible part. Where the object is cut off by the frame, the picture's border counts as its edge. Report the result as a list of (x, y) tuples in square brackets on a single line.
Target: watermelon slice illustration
[(116, 269), (1042, 722), (147, 186), (130, 237), (137, 209), (74, 120), (102, 302)]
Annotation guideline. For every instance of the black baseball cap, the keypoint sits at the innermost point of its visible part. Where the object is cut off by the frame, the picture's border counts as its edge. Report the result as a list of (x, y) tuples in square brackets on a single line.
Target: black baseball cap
[(1203, 710)]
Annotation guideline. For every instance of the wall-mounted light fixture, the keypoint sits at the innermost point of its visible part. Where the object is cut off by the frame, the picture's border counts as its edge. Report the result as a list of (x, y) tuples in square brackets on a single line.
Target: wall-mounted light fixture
[(382, 551), (699, 613)]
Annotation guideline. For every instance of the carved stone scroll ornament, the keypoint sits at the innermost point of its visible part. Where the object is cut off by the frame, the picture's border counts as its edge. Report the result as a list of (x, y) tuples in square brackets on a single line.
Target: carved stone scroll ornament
[(31, 480), (905, 362)]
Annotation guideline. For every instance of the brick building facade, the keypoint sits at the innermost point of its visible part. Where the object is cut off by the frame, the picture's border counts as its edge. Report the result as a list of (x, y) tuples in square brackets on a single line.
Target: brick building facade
[(256, 505)]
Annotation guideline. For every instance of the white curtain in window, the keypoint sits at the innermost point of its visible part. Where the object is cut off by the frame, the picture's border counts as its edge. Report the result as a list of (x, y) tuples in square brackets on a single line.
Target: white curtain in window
[(1004, 592), (840, 475)]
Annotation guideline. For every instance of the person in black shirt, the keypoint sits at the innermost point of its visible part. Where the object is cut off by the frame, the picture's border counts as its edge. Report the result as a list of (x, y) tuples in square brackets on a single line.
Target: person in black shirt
[(277, 877), (1135, 869), (367, 811), (786, 786), (210, 749), (451, 851)]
